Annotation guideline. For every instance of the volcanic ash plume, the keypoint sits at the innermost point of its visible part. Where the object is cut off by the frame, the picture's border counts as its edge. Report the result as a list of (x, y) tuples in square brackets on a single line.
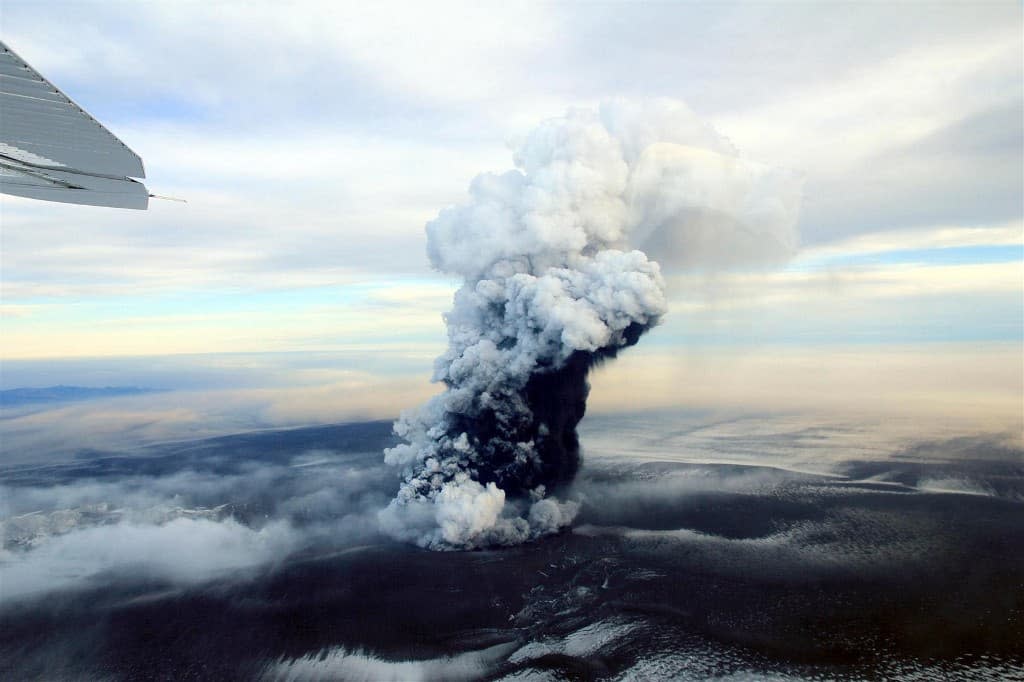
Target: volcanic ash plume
[(550, 289)]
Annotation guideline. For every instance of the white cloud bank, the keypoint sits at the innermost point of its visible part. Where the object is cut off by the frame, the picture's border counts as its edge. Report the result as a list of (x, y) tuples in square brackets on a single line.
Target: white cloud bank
[(183, 551)]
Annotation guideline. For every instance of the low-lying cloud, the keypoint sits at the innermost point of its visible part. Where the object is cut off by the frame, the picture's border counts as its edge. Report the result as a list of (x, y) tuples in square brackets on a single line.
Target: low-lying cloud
[(182, 551)]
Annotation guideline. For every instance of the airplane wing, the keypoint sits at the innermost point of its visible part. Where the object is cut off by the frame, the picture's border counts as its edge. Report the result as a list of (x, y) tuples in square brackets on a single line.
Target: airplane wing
[(51, 149)]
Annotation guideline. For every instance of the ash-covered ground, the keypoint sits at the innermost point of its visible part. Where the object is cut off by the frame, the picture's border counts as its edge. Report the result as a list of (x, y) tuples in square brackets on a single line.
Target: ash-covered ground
[(705, 547)]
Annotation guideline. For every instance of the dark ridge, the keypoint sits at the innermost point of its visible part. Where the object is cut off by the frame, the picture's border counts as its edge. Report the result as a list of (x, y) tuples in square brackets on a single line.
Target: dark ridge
[(13, 397), (222, 455)]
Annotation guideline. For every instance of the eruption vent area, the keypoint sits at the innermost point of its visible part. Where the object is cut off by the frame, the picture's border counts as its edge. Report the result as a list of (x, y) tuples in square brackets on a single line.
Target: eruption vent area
[(516, 378)]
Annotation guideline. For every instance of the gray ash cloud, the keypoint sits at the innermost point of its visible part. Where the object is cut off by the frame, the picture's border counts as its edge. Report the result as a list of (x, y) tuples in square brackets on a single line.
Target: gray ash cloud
[(551, 286)]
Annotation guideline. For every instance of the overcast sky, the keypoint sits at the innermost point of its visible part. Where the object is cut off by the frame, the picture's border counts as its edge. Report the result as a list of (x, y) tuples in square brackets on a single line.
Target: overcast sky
[(313, 141)]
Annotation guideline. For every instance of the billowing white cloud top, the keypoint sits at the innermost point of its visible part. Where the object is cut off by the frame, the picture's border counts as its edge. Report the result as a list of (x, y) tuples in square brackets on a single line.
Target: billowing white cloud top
[(648, 174)]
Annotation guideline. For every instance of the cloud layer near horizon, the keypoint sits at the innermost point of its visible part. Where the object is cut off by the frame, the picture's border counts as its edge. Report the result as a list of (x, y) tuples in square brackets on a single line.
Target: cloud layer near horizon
[(951, 386)]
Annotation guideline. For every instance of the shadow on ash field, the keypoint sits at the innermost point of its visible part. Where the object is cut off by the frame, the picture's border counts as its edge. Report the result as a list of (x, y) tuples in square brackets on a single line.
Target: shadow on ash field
[(907, 567)]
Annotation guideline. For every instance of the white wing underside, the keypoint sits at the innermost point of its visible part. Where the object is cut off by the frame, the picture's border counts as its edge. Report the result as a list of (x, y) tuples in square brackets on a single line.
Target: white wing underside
[(51, 149)]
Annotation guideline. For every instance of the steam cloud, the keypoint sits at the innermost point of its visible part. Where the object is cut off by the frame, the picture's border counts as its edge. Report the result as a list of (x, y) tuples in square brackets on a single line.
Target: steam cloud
[(552, 288)]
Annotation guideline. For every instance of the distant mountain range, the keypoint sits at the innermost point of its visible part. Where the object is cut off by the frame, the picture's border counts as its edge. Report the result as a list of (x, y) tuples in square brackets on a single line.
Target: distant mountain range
[(13, 397)]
